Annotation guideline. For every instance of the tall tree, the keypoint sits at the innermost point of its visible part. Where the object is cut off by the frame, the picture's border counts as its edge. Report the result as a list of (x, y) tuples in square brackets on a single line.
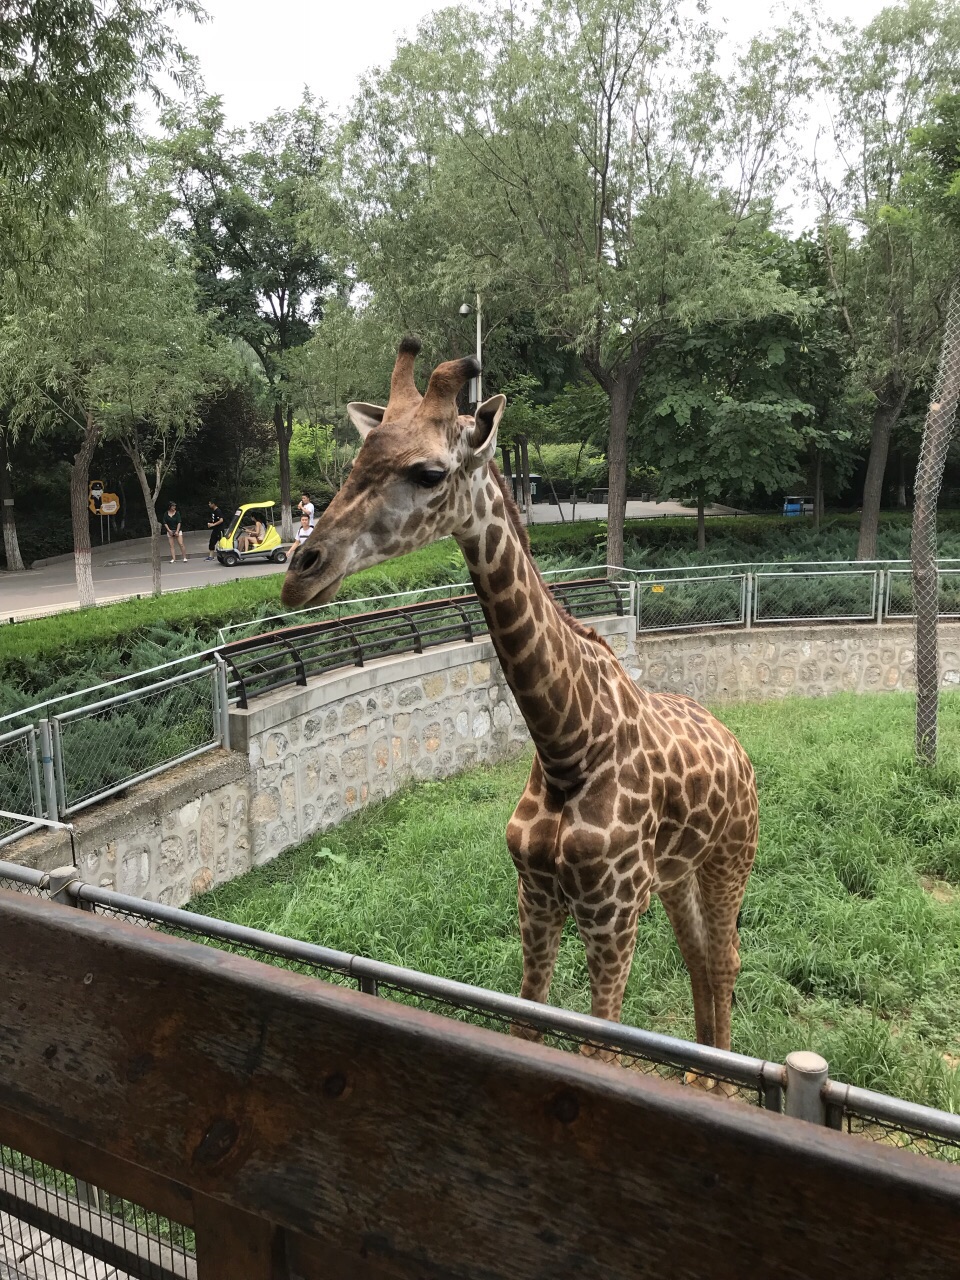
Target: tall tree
[(888, 259), (69, 73), (578, 169), (237, 201), (107, 340)]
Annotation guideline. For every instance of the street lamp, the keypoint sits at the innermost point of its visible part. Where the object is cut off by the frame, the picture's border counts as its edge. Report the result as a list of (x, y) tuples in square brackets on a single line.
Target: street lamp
[(476, 384)]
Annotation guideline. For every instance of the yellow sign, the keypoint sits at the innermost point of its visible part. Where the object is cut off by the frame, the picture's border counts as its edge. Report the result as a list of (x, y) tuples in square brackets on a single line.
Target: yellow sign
[(100, 502), (656, 588)]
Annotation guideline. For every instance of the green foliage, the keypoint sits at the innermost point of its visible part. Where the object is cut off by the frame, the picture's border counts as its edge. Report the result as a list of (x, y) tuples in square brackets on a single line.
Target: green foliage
[(850, 927), (70, 71)]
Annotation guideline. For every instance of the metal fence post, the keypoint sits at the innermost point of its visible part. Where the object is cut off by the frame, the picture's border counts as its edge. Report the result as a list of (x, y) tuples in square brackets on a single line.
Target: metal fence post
[(880, 577), (58, 886), (49, 778), (806, 1076), (222, 702), (749, 609)]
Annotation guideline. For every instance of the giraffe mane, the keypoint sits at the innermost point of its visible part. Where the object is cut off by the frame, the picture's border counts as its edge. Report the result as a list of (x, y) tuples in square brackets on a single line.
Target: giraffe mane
[(513, 514)]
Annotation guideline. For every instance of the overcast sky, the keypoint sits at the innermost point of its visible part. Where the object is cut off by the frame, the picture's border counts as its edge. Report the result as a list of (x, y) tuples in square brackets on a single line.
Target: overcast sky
[(259, 54)]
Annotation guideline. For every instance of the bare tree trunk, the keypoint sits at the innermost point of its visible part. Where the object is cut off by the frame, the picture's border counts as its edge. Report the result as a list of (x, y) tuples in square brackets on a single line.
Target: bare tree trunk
[(701, 520), (79, 510), (508, 469), (549, 480), (817, 490), (149, 501), (284, 428), (933, 452), (518, 477), (884, 420), (525, 473), (11, 544), (901, 479), (621, 401)]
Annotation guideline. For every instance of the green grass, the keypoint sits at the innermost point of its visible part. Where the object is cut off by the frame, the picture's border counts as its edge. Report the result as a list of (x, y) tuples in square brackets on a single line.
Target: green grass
[(850, 926)]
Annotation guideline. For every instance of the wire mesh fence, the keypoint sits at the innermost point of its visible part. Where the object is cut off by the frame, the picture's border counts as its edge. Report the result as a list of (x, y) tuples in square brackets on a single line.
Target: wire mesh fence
[(20, 795), (708, 600), (56, 1227), (832, 596), (898, 599), (105, 747)]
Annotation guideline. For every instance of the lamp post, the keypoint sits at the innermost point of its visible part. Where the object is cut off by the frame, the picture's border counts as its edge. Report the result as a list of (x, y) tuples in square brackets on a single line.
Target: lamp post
[(476, 384)]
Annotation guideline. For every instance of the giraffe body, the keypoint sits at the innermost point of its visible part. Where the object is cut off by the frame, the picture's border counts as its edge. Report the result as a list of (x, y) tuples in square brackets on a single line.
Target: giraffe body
[(630, 793)]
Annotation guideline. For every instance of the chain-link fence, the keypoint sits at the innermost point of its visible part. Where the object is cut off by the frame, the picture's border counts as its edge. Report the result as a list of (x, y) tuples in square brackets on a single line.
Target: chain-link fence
[(107, 746), (21, 799), (937, 434), (703, 600), (898, 595), (844, 595)]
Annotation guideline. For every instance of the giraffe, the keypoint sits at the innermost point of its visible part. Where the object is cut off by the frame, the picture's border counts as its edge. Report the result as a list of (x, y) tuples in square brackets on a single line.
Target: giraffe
[(630, 793)]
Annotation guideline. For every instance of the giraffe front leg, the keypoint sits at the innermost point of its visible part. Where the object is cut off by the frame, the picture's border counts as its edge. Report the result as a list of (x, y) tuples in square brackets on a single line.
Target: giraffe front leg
[(609, 935), (541, 924)]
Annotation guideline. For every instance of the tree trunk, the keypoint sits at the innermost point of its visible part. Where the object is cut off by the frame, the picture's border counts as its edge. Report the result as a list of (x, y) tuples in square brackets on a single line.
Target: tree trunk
[(525, 474), (284, 428), (621, 395), (149, 500), (79, 510), (518, 478), (11, 544), (901, 479), (508, 469), (701, 520), (923, 544), (884, 420), (817, 490)]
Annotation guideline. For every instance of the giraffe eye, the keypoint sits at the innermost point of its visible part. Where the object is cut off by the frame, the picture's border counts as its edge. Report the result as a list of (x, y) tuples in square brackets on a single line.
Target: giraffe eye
[(428, 479)]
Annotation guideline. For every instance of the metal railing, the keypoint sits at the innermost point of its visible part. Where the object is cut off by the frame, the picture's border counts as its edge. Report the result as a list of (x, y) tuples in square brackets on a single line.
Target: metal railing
[(64, 754), (800, 1087), (264, 663), (21, 798), (109, 745)]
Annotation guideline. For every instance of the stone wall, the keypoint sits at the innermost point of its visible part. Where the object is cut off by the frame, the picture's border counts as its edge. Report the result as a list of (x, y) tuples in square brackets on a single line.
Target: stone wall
[(303, 759), (807, 662)]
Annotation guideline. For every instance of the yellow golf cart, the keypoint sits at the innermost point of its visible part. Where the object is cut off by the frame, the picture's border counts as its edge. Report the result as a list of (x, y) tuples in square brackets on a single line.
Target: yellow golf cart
[(250, 535)]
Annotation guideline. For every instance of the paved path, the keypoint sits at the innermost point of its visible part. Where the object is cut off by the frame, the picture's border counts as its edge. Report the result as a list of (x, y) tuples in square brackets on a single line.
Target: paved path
[(122, 569)]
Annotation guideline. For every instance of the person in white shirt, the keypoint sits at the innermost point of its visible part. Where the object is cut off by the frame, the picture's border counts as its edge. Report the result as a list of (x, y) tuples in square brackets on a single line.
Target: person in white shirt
[(305, 507), (305, 530)]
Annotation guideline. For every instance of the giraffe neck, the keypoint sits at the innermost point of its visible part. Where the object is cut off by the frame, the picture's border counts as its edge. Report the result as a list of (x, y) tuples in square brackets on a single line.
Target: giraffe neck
[(553, 668)]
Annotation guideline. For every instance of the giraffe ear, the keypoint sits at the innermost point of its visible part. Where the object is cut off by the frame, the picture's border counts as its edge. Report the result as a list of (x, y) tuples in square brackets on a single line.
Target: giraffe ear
[(365, 416), (482, 436)]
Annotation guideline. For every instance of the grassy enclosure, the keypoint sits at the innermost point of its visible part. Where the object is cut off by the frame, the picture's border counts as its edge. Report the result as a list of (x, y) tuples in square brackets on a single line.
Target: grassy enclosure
[(850, 927)]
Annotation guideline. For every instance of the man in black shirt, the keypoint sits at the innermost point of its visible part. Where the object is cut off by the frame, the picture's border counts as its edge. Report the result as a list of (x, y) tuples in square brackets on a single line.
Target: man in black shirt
[(215, 525)]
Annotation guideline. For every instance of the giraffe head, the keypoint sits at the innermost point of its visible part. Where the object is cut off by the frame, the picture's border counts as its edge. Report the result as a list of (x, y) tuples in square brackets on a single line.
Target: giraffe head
[(415, 479)]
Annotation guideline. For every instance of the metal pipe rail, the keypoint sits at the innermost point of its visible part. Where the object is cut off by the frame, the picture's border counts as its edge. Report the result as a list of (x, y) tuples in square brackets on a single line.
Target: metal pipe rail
[(290, 656), (922, 1127)]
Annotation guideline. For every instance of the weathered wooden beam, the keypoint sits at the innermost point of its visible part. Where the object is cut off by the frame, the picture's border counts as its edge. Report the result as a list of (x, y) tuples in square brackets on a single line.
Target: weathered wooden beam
[(421, 1147)]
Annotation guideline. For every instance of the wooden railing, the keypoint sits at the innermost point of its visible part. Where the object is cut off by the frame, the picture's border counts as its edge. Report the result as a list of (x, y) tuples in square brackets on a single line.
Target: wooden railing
[(304, 1130)]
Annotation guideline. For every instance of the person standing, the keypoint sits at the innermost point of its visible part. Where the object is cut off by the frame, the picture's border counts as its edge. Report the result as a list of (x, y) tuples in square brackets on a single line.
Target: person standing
[(305, 507), (215, 525), (304, 532), (174, 529)]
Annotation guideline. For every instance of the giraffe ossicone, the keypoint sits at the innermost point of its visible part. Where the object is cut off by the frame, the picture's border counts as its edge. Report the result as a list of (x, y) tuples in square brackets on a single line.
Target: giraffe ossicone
[(631, 793)]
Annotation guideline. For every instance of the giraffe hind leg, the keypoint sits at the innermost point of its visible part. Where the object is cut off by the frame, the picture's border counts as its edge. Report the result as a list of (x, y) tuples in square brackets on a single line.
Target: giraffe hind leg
[(723, 880), (681, 901)]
